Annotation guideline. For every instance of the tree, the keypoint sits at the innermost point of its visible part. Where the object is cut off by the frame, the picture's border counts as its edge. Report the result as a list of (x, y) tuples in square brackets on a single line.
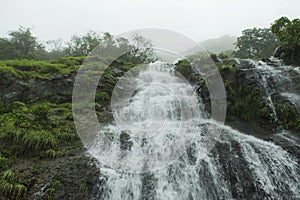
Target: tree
[(7, 51), (55, 48), (256, 43), (139, 49), (21, 44), (83, 45), (142, 49), (287, 31), (24, 43)]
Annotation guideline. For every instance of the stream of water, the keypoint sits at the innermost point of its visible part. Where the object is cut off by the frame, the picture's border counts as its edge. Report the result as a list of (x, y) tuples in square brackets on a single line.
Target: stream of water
[(239, 166)]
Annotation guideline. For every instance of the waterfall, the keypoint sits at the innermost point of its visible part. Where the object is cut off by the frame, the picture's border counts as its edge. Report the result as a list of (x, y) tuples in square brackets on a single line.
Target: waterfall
[(275, 77), (238, 167)]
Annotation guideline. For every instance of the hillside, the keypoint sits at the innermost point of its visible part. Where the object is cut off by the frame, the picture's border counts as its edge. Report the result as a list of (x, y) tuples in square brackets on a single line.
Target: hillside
[(221, 44)]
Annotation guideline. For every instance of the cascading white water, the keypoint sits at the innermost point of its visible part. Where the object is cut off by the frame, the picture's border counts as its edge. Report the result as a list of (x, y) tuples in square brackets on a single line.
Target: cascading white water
[(276, 78), (238, 161)]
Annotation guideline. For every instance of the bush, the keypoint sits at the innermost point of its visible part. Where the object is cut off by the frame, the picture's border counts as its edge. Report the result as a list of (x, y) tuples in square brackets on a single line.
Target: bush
[(287, 31)]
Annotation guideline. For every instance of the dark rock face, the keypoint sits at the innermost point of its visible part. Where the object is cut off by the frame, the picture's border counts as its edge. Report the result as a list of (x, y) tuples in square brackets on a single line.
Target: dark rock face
[(247, 104), (254, 102), (71, 177), (55, 89), (126, 144), (235, 168)]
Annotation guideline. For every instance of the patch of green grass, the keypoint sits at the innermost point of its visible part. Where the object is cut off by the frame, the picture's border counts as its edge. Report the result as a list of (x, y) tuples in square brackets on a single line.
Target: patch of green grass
[(39, 139), (28, 69), (7, 71), (38, 128), (70, 61), (53, 153)]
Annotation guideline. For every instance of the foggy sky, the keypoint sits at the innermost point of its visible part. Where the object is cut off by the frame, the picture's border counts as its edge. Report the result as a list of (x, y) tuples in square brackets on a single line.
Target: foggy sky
[(197, 19)]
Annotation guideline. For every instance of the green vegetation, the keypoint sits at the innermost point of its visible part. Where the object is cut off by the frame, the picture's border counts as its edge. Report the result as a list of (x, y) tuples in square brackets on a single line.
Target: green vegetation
[(28, 69), (256, 43), (20, 44), (287, 114), (244, 100), (223, 44), (54, 187), (83, 188), (42, 128), (36, 129), (287, 32), (11, 187), (184, 67), (246, 103)]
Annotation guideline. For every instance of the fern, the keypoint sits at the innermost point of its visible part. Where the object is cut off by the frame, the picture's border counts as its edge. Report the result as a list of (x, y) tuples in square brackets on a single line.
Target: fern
[(9, 186), (9, 175)]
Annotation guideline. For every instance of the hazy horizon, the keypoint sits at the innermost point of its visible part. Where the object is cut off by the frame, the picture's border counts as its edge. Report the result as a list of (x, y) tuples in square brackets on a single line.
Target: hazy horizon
[(198, 20)]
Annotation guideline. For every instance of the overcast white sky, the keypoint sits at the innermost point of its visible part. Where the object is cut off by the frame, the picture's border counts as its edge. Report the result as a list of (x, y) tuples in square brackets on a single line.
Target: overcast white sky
[(197, 19)]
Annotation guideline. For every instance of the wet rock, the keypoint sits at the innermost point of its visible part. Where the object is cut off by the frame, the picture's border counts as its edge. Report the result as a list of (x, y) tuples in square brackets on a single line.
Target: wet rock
[(56, 89), (247, 105), (65, 178), (125, 143)]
